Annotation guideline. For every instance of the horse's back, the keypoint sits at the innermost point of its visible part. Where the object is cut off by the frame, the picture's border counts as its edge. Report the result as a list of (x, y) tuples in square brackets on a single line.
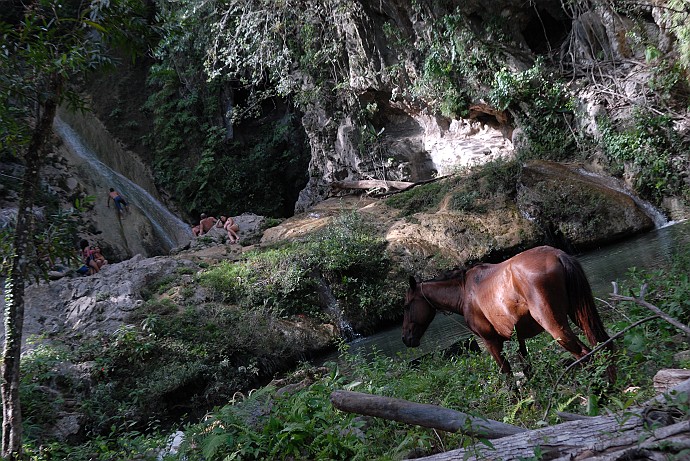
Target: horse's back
[(515, 291)]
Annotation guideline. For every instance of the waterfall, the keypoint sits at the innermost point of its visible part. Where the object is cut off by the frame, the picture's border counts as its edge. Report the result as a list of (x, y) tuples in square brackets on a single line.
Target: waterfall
[(614, 184), (332, 307), (170, 230)]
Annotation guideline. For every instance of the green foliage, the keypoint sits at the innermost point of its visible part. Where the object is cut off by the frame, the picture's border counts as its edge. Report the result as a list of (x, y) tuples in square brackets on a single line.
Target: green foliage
[(458, 61), (221, 65), (38, 372), (303, 424), (651, 150), (193, 156), (539, 101), (678, 18), (266, 426), (277, 279), (258, 44), (346, 254), (52, 239)]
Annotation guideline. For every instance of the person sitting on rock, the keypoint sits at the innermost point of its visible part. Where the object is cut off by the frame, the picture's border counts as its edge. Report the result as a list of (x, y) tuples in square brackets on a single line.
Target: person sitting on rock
[(231, 226), (98, 257), (205, 224), (88, 257)]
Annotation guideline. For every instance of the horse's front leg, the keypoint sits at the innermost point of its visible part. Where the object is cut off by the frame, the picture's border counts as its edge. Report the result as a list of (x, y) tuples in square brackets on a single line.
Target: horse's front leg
[(495, 348), (524, 359)]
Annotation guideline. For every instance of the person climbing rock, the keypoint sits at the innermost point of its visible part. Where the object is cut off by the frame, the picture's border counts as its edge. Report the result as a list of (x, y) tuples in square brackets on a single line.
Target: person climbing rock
[(118, 199)]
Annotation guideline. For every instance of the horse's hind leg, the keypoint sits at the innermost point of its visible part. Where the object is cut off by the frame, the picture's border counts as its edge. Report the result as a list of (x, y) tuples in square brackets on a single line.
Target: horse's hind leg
[(569, 341)]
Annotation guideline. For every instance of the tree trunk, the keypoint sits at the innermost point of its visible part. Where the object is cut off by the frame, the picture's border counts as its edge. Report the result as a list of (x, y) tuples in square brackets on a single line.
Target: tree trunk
[(19, 272), (372, 184), (420, 414), (654, 431)]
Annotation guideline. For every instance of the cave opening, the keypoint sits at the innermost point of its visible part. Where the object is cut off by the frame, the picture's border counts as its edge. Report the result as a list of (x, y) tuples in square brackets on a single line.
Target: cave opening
[(544, 32)]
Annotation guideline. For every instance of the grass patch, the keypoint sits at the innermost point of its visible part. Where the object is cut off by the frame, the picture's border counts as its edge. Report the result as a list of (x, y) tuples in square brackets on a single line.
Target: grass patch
[(471, 190)]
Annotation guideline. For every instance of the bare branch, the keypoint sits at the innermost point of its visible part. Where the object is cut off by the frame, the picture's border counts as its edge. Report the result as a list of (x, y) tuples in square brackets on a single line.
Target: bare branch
[(641, 302)]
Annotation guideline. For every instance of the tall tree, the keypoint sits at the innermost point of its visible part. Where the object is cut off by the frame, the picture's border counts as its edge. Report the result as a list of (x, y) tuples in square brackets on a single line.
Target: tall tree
[(45, 44)]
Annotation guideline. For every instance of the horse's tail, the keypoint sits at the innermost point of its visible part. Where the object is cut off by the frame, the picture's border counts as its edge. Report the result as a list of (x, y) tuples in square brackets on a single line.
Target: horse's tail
[(582, 309)]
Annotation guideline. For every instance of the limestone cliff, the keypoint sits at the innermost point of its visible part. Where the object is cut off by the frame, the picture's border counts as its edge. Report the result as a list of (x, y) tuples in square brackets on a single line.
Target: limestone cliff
[(387, 46)]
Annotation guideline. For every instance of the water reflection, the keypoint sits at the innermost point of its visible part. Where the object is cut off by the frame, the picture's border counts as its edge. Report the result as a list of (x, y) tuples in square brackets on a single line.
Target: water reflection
[(651, 250)]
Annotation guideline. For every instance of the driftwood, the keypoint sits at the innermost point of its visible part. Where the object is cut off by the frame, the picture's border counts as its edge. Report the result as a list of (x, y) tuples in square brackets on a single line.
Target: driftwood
[(665, 379), (420, 414), (371, 184), (389, 187), (649, 432)]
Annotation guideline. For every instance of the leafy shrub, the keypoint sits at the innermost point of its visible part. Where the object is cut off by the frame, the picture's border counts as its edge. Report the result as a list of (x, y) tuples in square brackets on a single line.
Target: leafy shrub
[(540, 102), (266, 426), (38, 373), (347, 256), (651, 150)]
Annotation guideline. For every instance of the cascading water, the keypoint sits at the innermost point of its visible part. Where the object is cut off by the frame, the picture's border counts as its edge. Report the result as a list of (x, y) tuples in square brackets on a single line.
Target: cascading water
[(170, 230), (333, 309)]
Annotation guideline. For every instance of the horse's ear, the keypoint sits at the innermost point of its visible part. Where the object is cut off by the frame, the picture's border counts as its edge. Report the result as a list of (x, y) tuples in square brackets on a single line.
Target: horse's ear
[(413, 282)]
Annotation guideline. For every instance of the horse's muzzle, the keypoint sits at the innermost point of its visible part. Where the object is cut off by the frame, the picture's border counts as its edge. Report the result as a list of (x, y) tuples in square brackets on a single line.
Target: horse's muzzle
[(410, 341)]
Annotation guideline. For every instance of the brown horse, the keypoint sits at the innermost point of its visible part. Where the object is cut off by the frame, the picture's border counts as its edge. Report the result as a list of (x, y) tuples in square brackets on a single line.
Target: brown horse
[(533, 291)]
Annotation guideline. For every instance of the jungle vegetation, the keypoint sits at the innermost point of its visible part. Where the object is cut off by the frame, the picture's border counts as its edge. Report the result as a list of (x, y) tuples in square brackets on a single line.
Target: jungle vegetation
[(227, 86)]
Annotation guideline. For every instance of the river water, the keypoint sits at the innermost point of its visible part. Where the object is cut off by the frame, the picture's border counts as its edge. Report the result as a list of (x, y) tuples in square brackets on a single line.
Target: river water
[(651, 250)]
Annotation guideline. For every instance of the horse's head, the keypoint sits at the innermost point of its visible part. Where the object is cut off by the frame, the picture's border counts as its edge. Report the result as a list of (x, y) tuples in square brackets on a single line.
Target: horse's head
[(418, 314)]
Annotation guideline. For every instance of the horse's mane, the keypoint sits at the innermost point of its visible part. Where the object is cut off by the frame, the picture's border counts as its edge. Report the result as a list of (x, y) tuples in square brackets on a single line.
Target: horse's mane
[(451, 274)]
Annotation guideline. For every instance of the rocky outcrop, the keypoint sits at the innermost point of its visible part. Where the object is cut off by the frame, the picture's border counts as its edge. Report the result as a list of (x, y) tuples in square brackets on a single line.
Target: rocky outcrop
[(97, 304), (564, 205), (577, 208), (405, 139)]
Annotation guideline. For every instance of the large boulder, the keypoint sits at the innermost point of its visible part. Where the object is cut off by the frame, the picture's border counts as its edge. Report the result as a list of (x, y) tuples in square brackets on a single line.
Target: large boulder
[(101, 303), (578, 208)]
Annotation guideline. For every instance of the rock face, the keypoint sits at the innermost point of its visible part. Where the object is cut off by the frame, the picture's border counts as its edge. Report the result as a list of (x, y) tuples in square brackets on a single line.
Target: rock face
[(406, 141), (578, 208), (100, 303), (94, 162)]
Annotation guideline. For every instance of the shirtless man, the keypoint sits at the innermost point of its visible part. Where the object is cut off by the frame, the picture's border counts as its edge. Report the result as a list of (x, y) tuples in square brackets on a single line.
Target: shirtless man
[(118, 199), (231, 226), (205, 224)]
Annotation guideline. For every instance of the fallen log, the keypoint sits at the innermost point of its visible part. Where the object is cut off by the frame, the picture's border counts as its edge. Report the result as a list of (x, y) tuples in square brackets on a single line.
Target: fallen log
[(652, 431), (667, 378), (420, 414), (371, 184)]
